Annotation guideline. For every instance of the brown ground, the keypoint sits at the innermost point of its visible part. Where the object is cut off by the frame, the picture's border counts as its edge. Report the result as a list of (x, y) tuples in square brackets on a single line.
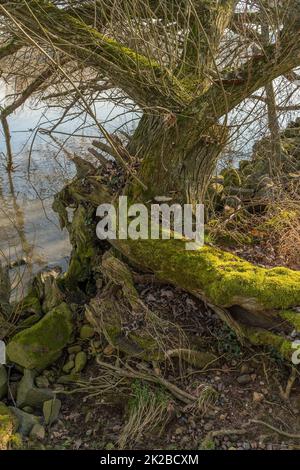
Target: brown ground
[(96, 423), (249, 381)]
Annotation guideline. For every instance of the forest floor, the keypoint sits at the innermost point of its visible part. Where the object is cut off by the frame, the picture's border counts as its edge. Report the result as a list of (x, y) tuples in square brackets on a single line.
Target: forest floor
[(249, 407), (249, 384)]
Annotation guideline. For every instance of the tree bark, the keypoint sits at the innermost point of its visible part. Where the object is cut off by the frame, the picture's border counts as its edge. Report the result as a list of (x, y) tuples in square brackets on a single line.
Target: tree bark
[(178, 158), (275, 159)]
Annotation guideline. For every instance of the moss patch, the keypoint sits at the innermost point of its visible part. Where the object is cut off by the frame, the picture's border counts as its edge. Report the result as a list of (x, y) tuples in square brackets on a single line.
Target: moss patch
[(220, 277), (8, 426), (260, 337), (40, 345), (292, 317), (82, 237)]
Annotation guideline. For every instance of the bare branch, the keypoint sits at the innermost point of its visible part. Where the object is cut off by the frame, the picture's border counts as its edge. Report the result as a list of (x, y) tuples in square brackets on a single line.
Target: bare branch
[(139, 76), (34, 86), (10, 48)]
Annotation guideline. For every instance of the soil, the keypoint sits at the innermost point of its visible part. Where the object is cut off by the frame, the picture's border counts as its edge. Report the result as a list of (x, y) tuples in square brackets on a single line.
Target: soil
[(248, 382)]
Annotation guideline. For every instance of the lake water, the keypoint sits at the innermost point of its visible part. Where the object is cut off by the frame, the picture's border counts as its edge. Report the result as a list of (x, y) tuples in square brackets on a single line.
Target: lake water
[(29, 229)]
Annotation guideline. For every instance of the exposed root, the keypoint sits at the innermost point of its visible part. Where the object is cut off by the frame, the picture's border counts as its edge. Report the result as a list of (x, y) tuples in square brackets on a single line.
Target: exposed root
[(285, 394), (126, 322), (227, 432), (199, 402), (208, 442), (102, 386), (260, 304), (273, 428)]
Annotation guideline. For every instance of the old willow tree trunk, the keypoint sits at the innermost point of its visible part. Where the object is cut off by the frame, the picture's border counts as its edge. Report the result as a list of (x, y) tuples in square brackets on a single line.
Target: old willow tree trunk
[(185, 64), (178, 160)]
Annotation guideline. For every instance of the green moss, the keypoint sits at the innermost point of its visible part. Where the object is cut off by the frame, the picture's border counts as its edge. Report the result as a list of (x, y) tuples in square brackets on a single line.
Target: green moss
[(197, 359), (8, 426), (292, 317), (39, 346), (221, 277), (125, 65), (148, 346), (16, 442), (208, 444), (260, 337), (83, 239)]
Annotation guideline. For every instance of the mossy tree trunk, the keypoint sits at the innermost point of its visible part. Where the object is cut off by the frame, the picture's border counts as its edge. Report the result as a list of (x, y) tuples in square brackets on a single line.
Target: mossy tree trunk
[(177, 159), (178, 142), (180, 139)]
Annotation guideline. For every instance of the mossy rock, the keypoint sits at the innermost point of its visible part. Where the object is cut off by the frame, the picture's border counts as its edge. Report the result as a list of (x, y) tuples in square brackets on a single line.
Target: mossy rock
[(8, 426), (30, 395), (25, 420), (51, 409), (86, 332), (80, 361), (39, 346)]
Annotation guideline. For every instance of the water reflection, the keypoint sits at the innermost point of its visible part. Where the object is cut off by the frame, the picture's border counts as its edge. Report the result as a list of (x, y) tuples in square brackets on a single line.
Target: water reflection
[(30, 236)]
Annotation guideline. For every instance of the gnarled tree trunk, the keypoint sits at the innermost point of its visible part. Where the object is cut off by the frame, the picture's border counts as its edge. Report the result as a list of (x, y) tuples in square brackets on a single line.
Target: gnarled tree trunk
[(178, 140), (178, 159)]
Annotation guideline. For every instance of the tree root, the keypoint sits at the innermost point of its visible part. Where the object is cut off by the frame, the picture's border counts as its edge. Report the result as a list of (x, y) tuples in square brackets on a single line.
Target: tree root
[(273, 428), (129, 325), (208, 442), (227, 432), (285, 394), (197, 403)]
